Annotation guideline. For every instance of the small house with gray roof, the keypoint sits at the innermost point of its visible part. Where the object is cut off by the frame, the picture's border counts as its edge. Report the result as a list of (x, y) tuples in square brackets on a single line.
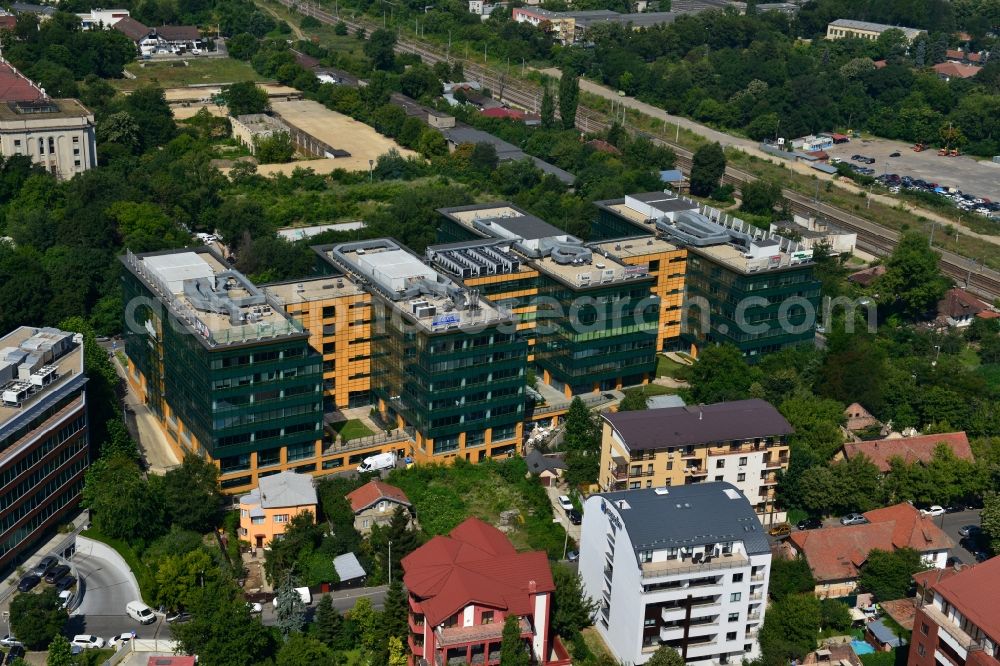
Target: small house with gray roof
[(684, 566)]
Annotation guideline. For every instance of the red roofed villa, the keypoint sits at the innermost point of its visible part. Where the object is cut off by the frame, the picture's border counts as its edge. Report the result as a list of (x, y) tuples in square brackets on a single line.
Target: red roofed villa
[(911, 449), (837, 554), (957, 620), (375, 503), (463, 586)]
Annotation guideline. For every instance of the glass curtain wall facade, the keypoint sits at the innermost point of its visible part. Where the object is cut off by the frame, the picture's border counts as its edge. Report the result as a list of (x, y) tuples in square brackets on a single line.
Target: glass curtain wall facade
[(785, 317)]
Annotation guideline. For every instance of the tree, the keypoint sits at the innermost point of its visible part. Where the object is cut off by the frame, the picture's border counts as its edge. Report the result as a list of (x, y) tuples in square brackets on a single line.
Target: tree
[(665, 656), (120, 128), (513, 651), (244, 97), (790, 628), (432, 143), (380, 48), (397, 655), (912, 282), (707, 168), (395, 610), (548, 110), (329, 623), (221, 631), (180, 576), (990, 520), (368, 622), (60, 652), (275, 149), (37, 618), (300, 649), (192, 494), (720, 374), (148, 106), (483, 157), (572, 609), (888, 575), (790, 577), (634, 401), (290, 611), (836, 615), (569, 99), (122, 504), (760, 197), (582, 441)]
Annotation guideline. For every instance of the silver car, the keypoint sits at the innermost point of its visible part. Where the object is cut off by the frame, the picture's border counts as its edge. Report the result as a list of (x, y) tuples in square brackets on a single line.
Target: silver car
[(853, 519)]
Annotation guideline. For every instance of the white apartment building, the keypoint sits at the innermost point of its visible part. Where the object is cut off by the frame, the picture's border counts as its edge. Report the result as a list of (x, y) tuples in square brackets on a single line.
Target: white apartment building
[(684, 566), (97, 19)]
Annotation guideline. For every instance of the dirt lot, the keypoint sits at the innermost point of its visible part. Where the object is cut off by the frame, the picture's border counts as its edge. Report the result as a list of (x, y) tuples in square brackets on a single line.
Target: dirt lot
[(339, 131), (965, 173)]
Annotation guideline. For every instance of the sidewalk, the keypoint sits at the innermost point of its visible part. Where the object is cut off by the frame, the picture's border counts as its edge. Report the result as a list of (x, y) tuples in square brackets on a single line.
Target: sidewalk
[(143, 427)]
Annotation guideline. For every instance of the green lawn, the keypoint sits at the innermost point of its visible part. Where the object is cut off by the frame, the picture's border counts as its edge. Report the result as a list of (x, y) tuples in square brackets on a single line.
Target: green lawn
[(352, 429), (198, 71), (666, 367)]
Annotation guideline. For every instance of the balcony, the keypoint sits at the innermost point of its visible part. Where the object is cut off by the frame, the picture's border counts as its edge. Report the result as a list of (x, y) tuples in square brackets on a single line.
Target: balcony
[(416, 644), (416, 625), (950, 634), (619, 473), (695, 471), (482, 633), (680, 566), (776, 463), (689, 455), (768, 479), (757, 578), (756, 596)]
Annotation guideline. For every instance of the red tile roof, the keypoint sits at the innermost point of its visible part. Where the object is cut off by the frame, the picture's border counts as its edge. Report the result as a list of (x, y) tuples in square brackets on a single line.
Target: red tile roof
[(879, 64), (974, 57), (932, 577), (973, 591), (15, 87), (476, 563), (375, 491), (956, 70), (954, 54), (501, 112), (603, 146), (836, 553), (910, 449), (959, 303)]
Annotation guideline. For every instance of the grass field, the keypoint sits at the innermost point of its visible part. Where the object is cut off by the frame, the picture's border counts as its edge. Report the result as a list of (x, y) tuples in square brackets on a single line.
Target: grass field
[(198, 71), (666, 367), (352, 429)]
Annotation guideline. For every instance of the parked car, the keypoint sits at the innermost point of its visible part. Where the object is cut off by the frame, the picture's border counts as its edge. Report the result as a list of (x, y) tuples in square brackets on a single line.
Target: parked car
[(981, 555), (64, 583), (55, 573), (565, 502), (9, 641), (180, 617), (893, 154), (810, 524), (780, 530), (87, 641), (572, 556), (934, 511), (969, 530), (120, 640), (43, 567), (28, 583), (140, 612), (16, 652), (574, 516), (853, 519)]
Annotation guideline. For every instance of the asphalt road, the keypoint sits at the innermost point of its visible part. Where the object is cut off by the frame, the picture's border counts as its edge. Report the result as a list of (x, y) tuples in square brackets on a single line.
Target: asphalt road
[(107, 589), (950, 523)]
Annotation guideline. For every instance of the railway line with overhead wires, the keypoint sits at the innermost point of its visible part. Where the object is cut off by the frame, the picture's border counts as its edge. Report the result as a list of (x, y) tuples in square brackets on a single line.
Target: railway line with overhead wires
[(872, 238)]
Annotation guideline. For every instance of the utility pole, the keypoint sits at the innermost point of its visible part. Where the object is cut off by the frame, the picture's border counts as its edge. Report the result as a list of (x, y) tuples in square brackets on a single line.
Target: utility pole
[(390, 562)]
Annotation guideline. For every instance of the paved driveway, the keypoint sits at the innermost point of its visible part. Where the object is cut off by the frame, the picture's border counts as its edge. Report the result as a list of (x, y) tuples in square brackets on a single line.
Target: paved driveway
[(107, 587)]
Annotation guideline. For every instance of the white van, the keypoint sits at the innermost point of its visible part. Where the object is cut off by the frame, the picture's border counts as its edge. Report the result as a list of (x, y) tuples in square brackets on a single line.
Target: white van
[(140, 612), (304, 594), (377, 463)]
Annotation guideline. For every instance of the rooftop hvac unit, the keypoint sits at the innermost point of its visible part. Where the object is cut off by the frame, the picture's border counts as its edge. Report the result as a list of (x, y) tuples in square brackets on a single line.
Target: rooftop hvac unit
[(425, 311), (16, 393), (44, 376), (416, 305)]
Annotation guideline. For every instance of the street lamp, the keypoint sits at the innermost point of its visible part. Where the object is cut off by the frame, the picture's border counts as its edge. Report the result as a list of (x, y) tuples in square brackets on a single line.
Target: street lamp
[(371, 171), (390, 562), (934, 362)]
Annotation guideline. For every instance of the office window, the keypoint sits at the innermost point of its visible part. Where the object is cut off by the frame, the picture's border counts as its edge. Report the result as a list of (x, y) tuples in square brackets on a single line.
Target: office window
[(329, 311), (743, 460), (720, 463), (734, 617), (735, 596), (731, 636), (741, 477)]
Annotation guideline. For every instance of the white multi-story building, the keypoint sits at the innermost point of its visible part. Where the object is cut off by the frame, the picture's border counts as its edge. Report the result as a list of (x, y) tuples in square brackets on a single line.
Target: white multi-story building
[(685, 566)]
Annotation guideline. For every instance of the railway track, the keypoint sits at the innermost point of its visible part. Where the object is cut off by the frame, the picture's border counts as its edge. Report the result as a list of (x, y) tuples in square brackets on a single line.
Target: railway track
[(872, 238)]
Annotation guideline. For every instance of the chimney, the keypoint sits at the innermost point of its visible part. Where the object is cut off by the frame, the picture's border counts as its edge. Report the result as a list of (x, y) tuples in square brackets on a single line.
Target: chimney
[(532, 586)]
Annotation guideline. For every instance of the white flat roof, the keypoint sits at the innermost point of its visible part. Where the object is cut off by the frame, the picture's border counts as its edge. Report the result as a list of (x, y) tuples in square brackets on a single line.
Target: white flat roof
[(396, 267), (175, 268)]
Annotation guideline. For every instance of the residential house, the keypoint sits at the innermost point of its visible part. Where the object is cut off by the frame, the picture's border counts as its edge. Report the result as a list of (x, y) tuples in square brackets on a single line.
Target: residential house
[(866, 276), (686, 566), (955, 70), (957, 620), (837, 554), (267, 509), (859, 418), (883, 637), (375, 503), (42, 12), (461, 589), (958, 308), (548, 468), (910, 449), (164, 39), (849, 28), (961, 56), (97, 19), (743, 442), (561, 26)]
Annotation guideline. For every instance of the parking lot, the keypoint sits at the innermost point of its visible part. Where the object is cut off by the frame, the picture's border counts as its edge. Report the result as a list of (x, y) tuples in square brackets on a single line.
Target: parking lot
[(965, 173)]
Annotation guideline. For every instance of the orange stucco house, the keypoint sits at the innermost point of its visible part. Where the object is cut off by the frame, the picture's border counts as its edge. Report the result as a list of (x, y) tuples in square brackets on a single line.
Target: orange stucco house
[(266, 510)]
